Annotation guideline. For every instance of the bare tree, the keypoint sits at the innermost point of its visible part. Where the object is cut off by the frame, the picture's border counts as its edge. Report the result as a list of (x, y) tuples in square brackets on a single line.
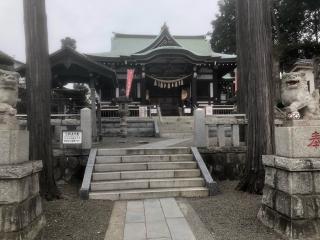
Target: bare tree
[(39, 93), (254, 43)]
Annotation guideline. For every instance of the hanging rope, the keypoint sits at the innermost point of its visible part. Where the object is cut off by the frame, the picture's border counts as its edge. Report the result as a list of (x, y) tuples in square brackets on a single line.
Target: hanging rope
[(172, 83)]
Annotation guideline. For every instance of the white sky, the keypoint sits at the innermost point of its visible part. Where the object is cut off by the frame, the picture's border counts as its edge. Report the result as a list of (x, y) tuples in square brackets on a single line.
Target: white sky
[(91, 22)]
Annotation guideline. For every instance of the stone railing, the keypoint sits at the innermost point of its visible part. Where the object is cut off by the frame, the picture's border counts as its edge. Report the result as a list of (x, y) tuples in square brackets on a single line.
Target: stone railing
[(219, 131)]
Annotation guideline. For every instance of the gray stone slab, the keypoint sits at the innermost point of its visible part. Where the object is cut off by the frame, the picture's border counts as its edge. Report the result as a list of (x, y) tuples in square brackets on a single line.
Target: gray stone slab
[(86, 128), (200, 130), (153, 210), (295, 142), (115, 229), (170, 208), (159, 239), (14, 146), (198, 228), (135, 212), (156, 230), (179, 229), (135, 231), (164, 143)]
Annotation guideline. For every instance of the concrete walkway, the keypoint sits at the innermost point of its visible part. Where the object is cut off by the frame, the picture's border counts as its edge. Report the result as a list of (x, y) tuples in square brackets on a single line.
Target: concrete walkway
[(151, 219)]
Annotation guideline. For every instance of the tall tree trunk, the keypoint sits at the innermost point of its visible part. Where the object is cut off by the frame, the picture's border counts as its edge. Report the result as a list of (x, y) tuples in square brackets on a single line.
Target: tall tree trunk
[(39, 93), (255, 37)]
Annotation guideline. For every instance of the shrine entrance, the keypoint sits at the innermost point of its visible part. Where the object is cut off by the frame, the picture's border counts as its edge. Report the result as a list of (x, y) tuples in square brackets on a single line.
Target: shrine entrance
[(169, 87)]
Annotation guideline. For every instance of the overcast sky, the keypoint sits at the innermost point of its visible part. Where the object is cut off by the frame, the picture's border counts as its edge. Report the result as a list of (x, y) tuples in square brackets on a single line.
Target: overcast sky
[(91, 22)]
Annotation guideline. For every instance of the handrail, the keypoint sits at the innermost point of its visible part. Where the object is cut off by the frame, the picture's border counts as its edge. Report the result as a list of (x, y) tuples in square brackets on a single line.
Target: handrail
[(85, 187), (210, 183)]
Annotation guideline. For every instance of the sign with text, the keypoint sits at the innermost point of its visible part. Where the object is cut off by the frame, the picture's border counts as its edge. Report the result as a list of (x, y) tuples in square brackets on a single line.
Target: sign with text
[(143, 111), (187, 110), (72, 137), (209, 111)]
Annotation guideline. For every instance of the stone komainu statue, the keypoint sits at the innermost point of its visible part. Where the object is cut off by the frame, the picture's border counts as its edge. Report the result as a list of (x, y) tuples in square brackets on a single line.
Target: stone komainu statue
[(297, 99), (8, 96)]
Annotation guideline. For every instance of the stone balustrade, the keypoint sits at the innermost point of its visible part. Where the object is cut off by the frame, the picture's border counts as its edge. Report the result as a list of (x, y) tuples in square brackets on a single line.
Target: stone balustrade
[(219, 131)]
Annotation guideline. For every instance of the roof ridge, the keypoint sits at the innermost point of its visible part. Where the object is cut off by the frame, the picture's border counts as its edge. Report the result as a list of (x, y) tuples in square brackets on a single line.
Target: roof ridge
[(128, 35)]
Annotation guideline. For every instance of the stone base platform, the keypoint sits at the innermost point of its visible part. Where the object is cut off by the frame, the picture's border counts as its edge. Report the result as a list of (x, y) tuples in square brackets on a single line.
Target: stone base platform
[(20, 204), (34, 231), (291, 197), (306, 229)]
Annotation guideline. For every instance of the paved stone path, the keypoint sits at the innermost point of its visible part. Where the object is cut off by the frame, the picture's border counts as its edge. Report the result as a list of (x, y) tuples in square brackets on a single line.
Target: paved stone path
[(156, 219)]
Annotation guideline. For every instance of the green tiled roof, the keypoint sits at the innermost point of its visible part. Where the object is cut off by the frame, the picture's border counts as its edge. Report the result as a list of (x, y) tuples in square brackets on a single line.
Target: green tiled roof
[(129, 44)]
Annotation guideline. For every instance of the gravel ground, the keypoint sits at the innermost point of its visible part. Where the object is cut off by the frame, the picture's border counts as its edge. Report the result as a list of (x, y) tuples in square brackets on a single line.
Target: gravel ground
[(72, 218), (232, 215)]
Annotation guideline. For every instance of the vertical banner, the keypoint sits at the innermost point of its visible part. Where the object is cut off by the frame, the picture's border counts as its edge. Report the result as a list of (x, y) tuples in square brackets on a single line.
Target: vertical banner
[(130, 76)]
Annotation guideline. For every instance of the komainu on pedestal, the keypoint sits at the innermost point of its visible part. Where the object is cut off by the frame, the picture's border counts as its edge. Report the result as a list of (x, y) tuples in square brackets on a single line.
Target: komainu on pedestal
[(296, 98), (291, 196), (21, 215)]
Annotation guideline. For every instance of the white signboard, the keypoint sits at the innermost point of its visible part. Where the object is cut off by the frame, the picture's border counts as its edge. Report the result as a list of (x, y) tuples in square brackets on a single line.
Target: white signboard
[(154, 111), (209, 111), (143, 111), (187, 110), (72, 137)]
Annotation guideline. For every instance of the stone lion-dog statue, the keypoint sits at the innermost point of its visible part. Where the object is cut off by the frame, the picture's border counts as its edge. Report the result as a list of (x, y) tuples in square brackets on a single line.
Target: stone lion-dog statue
[(298, 102), (8, 96)]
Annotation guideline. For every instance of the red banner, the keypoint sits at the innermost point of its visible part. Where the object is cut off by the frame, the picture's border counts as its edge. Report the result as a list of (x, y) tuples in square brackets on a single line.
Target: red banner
[(130, 76)]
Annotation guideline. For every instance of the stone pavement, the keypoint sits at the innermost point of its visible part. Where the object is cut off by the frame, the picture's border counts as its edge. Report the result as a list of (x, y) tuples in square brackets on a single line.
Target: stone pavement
[(152, 219)]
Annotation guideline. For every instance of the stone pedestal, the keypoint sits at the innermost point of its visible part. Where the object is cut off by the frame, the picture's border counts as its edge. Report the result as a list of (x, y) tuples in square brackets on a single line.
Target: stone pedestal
[(21, 215), (291, 197)]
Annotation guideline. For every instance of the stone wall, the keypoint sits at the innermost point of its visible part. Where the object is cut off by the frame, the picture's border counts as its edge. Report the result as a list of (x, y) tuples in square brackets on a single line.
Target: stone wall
[(226, 163), (136, 127)]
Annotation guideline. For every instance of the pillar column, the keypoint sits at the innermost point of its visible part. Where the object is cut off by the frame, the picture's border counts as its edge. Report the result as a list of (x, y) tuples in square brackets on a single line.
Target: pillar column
[(143, 85), (194, 87), (93, 109), (215, 82)]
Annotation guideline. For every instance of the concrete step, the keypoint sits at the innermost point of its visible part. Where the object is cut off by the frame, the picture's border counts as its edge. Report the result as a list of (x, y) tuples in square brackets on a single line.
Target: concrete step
[(147, 184), (142, 151), (150, 193), (147, 174), (144, 158), (114, 167)]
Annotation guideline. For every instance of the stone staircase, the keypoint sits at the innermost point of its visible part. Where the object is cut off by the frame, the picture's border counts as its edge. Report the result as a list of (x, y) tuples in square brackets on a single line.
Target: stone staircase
[(122, 174), (176, 127)]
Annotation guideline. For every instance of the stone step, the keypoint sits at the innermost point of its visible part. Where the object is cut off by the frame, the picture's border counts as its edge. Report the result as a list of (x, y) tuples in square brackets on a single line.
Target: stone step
[(150, 193), (144, 158), (114, 167), (143, 151), (176, 135), (147, 184), (147, 174)]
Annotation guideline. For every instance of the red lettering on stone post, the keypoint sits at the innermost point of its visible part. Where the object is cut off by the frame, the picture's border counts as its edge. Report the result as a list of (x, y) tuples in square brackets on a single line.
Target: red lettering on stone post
[(315, 140)]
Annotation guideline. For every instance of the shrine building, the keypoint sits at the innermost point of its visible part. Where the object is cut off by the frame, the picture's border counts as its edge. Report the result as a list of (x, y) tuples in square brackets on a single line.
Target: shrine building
[(169, 71)]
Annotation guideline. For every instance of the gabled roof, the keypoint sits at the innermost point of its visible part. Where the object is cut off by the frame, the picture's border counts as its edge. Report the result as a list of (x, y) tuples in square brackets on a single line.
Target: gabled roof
[(5, 59), (131, 44), (302, 64), (68, 56)]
